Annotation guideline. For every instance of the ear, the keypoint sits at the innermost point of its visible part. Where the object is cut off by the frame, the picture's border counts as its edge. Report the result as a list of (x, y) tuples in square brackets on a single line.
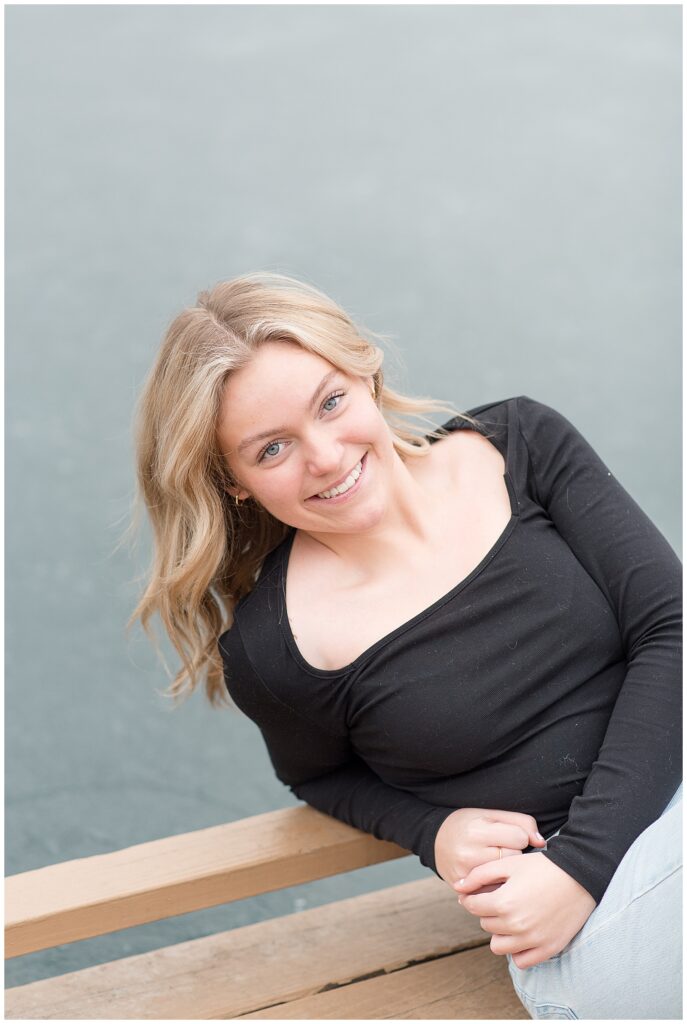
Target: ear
[(238, 492), (234, 488)]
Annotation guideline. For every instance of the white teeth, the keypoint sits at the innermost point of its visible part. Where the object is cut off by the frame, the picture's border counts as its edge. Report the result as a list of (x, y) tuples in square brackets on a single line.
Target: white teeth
[(346, 485)]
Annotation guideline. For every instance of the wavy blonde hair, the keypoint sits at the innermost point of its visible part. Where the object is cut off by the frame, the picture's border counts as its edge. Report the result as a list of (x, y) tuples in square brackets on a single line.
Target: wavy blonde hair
[(207, 551)]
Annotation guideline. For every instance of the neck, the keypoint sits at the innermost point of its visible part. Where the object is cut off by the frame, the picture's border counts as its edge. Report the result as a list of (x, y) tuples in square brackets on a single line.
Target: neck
[(401, 527)]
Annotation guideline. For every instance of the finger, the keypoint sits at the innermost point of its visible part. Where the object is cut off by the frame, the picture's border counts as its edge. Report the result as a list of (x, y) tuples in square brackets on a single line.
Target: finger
[(485, 874), (501, 944), (481, 905), (499, 852), (525, 821), (512, 837), (530, 957), (493, 925), (507, 852)]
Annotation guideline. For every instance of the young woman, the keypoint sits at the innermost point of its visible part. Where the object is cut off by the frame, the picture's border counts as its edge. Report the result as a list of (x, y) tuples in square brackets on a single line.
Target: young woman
[(457, 641)]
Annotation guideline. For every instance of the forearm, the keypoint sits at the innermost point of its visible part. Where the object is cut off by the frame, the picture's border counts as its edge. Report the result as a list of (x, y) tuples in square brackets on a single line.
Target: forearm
[(356, 795)]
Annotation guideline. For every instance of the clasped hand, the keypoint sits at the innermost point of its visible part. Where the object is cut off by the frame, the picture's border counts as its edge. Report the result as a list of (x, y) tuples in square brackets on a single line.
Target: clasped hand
[(531, 906), (535, 911)]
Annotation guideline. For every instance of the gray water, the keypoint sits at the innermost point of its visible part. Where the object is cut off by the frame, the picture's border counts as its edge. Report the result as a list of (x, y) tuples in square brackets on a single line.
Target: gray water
[(497, 187)]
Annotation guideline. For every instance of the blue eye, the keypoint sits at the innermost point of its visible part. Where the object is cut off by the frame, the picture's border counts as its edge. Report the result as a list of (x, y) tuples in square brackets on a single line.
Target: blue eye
[(265, 451), (337, 394)]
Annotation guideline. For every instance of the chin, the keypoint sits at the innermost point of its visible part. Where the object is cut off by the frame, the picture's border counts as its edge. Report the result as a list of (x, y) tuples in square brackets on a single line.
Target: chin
[(362, 521)]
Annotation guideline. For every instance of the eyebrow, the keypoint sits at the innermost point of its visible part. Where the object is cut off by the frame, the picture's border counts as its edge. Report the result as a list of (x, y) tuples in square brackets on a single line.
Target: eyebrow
[(282, 430)]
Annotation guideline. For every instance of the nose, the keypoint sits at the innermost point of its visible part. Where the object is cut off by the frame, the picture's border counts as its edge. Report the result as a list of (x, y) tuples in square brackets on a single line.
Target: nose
[(324, 456)]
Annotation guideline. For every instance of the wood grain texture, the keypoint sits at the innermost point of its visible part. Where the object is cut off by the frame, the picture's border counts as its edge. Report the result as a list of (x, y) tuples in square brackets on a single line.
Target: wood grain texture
[(259, 967), (178, 874), (471, 985)]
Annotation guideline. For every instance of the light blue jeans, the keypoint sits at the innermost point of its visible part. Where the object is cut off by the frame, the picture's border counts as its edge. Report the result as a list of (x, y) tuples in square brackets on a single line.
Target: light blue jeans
[(626, 960)]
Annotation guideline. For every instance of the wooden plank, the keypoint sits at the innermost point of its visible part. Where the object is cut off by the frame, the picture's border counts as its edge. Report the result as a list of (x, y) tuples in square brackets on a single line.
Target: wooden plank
[(178, 874), (271, 962), (472, 985)]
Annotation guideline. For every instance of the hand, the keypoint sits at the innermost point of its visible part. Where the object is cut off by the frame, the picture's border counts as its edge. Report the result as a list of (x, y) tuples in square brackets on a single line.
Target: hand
[(472, 835), (534, 913)]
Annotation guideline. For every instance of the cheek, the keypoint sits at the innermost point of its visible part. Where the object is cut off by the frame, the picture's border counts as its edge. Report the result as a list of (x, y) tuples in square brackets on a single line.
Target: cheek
[(278, 486), (368, 427)]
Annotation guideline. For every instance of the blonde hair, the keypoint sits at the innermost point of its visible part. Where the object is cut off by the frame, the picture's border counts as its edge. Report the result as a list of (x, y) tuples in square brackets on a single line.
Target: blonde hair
[(207, 551)]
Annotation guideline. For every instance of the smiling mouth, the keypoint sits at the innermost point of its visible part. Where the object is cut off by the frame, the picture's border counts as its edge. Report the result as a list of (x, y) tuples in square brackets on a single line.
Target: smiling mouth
[(348, 483)]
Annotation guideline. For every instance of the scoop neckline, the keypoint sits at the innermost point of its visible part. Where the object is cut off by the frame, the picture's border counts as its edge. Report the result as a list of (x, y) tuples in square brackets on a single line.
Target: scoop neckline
[(369, 652)]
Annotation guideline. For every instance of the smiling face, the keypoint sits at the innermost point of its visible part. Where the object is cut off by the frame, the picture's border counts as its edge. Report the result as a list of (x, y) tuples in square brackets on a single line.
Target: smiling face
[(291, 426)]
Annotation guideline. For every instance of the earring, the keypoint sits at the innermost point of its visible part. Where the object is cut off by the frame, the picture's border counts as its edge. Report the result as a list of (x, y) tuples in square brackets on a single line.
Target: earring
[(236, 499)]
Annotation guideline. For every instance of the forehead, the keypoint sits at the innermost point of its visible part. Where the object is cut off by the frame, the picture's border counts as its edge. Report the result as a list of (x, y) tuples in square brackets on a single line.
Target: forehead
[(273, 387)]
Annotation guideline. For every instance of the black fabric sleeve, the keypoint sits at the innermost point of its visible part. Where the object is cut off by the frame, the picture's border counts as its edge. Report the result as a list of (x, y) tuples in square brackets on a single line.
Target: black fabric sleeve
[(321, 767), (639, 765)]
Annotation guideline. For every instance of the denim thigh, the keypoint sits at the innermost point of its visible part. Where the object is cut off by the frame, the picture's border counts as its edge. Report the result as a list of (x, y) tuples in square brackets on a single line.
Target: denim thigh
[(626, 961)]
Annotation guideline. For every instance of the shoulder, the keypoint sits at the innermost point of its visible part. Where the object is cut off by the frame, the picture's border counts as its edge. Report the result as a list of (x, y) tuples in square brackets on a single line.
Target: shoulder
[(502, 410), (521, 412), (485, 438), (471, 458), (504, 425), (512, 410), (542, 424), (491, 419), (243, 672), (254, 613), (261, 595)]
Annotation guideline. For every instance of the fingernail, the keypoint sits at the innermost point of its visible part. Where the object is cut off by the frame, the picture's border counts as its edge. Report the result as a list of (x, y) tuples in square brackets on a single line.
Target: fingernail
[(460, 900), (540, 837), (461, 881)]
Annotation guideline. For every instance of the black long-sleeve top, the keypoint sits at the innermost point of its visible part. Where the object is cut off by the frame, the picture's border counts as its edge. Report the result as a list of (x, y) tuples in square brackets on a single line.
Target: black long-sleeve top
[(548, 681)]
